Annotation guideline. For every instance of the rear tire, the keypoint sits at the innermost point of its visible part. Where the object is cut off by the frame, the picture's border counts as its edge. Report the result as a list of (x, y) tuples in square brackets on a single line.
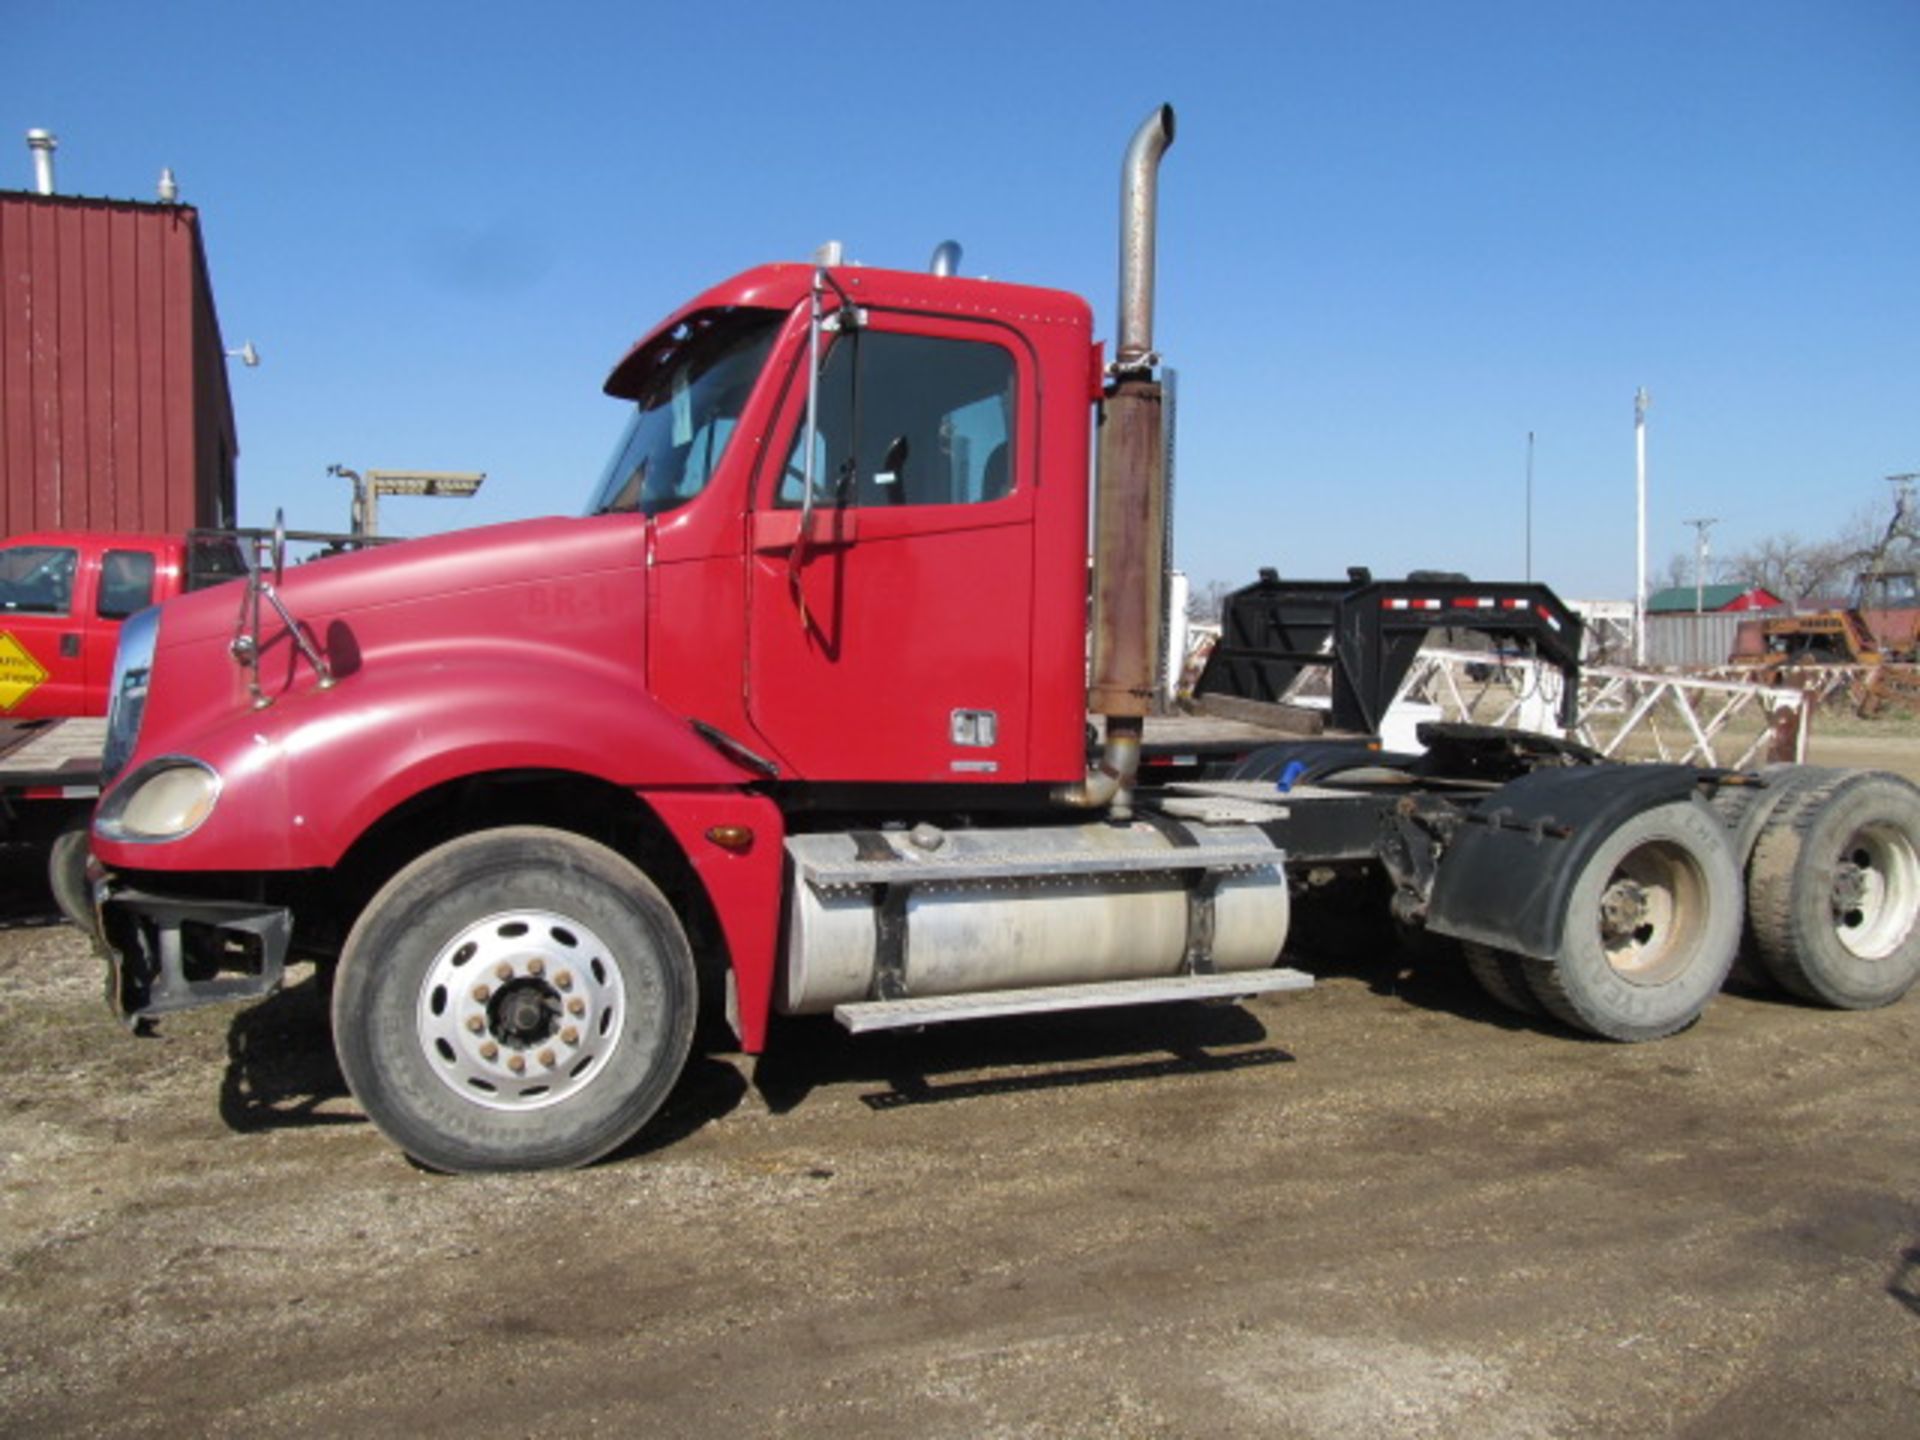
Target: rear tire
[(1652, 926), (1835, 892), (518, 999), (1504, 977), (1748, 811)]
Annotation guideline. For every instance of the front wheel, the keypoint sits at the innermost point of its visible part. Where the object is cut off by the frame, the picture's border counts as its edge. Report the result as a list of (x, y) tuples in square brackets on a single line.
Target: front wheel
[(519, 999)]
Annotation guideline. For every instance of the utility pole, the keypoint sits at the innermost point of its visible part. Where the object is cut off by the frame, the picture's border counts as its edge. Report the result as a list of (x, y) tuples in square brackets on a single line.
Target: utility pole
[(1529, 506), (1700, 529), (1902, 500), (1640, 402)]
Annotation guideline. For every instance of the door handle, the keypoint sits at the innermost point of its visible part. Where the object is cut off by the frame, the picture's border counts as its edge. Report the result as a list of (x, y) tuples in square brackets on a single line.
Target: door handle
[(70, 645)]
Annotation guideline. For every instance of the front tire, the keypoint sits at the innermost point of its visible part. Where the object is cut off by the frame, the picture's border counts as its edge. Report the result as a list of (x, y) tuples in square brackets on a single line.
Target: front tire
[(518, 999)]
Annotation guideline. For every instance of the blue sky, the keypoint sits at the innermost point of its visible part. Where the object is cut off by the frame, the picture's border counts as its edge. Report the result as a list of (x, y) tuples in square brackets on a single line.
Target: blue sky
[(1395, 237)]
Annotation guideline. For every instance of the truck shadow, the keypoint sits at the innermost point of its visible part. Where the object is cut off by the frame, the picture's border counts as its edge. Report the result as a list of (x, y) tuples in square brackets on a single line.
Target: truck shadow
[(1352, 938), (1905, 1284), (1040, 1052), (25, 901), (280, 1065)]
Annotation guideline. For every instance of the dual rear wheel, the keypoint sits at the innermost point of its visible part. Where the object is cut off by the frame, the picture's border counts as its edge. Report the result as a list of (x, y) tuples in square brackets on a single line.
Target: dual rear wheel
[(1831, 900)]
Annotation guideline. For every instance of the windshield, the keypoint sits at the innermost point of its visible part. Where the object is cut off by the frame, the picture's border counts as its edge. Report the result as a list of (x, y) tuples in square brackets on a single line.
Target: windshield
[(697, 382)]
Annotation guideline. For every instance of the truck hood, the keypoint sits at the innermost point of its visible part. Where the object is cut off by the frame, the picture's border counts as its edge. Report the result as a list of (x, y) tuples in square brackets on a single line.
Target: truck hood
[(554, 567), (525, 602)]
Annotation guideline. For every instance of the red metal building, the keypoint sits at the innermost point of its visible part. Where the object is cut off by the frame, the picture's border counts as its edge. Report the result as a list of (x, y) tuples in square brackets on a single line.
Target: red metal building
[(114, 408)]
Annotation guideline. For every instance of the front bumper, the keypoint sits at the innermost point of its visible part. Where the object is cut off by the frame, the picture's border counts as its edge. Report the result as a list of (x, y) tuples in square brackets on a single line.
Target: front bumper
[(166, 954)]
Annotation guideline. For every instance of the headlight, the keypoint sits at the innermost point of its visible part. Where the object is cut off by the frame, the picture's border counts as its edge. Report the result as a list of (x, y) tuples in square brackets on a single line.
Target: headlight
[(127, 695), (164, 800)]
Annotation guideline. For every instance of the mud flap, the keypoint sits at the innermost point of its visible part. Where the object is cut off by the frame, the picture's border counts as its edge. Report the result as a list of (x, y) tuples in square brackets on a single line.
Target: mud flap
[(1507, 878)]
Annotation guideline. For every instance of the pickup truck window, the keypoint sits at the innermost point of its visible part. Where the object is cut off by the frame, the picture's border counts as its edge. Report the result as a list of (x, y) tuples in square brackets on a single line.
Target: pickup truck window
[(37, 579), (908, 420), (212, 559), (126, 583), (702, 374)]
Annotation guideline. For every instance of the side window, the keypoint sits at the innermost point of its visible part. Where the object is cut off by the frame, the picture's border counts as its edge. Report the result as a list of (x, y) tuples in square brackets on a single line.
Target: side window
[(908, 420), (212, 559), (126, 583), (37, 579)]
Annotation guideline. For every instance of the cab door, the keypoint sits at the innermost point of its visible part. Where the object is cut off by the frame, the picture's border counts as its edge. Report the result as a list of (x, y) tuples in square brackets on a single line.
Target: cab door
[(890, 637), (45, 592)]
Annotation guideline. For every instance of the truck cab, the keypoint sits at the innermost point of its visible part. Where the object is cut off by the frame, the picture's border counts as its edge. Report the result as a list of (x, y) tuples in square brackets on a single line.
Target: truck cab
[(929, 592)]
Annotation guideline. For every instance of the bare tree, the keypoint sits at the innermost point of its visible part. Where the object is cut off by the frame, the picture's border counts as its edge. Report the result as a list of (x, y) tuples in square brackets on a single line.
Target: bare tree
[(1204, 601), (1793, 568), (1676, 572)]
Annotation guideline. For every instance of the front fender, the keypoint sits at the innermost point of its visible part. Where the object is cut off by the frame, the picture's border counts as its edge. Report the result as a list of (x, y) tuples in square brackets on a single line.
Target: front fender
[(301, 781), (1506, 880)]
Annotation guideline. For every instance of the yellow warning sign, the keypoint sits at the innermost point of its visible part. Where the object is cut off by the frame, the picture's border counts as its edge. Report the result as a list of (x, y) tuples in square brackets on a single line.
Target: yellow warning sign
[(20, 673)]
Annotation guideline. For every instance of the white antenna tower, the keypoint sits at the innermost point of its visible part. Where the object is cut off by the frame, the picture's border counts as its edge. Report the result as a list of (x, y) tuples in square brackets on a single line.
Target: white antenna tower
[(1640, 402)]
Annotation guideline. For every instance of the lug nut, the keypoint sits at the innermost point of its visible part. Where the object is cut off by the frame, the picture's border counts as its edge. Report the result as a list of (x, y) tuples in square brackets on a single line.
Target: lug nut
[(570, 1036), (536, 966), (489, 1050), (503, 971), (576, 1006), (516, 1063), (480, 993), (564, 980), (545, 1057), (476, 1023)]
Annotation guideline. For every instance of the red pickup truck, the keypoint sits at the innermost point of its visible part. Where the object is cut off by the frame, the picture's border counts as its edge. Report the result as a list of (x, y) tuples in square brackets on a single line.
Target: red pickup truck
[(63, 595)]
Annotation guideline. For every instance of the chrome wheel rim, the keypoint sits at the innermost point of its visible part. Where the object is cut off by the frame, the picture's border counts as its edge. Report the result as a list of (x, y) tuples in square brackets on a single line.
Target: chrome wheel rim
[(521, 1010)]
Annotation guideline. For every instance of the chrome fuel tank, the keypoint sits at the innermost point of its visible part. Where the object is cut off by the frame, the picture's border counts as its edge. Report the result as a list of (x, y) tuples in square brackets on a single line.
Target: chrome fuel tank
[(1011, 909)]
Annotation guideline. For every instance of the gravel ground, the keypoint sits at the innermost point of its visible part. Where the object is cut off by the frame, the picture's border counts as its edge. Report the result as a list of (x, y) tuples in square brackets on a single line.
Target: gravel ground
[(1378, 1208)]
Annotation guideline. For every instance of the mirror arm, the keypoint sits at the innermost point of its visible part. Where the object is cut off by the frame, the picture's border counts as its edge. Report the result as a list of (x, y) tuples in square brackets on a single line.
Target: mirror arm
[(811, 439), (846, 318)]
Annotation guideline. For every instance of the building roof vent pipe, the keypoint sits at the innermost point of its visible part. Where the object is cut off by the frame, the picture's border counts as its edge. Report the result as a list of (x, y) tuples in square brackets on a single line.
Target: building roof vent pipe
[(169, 188), (946, 258), (43, 143)]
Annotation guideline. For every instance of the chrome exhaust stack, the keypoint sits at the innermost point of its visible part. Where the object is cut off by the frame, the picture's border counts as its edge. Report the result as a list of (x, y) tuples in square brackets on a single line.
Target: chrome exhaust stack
[(1139, 212), (1129, 542)]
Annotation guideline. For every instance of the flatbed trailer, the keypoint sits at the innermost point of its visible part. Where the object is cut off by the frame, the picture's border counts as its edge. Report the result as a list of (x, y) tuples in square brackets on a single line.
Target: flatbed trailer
[(50, 777)]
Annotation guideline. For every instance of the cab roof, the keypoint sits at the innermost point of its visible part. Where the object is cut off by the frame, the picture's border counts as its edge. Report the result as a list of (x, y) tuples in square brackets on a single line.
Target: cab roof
[(784, 286)]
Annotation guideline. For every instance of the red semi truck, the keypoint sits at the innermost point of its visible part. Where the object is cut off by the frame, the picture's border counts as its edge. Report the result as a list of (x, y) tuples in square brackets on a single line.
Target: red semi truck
[(795, 720)]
